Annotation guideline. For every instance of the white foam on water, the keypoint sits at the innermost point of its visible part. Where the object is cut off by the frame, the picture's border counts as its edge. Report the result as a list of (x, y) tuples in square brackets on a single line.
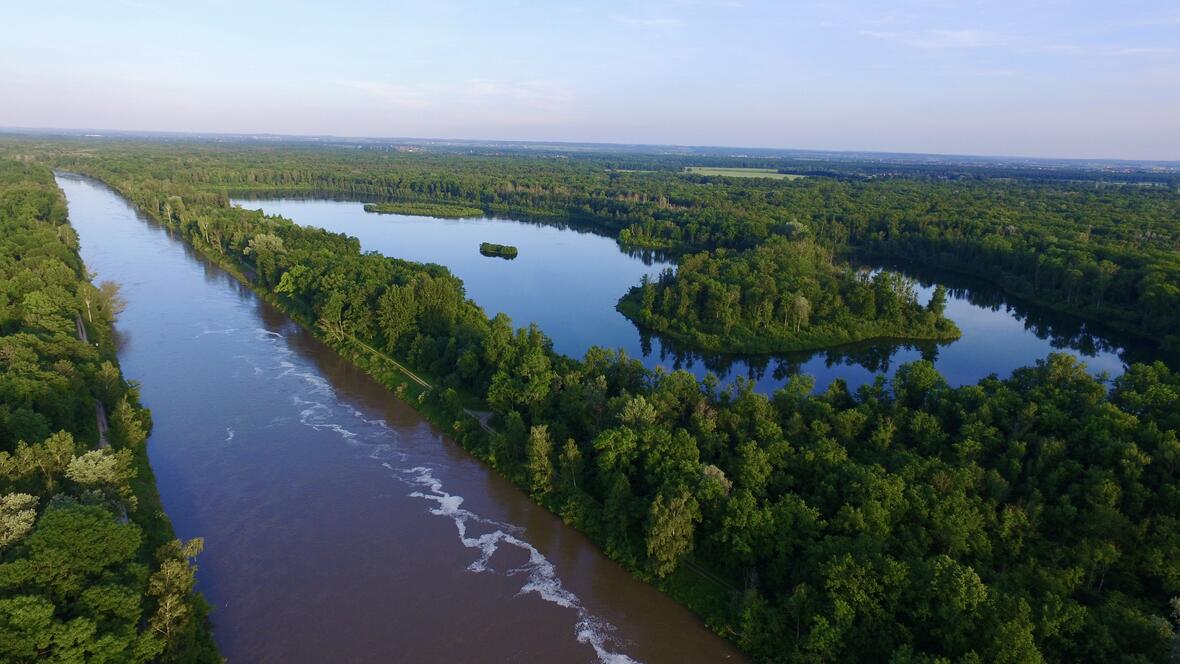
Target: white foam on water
[(335, 427), (540, 574), (263, 333), (542, 579), (386, 451), (377, 422), (229, 434), (318, 384), (230, 330), (313, 415)]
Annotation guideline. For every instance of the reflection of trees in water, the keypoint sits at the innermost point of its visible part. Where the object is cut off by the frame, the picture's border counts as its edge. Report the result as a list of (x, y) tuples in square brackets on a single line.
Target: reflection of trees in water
[(649, 256), (120, 338), (873, 356), (1062, 331)]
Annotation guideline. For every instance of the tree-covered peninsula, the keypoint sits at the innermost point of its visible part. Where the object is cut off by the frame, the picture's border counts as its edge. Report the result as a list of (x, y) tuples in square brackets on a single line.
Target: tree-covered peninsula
[(783, 295), (90, 570)]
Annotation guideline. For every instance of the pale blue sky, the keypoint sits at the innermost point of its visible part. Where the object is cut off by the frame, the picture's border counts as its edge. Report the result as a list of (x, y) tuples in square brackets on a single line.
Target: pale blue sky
[(1040, 78)]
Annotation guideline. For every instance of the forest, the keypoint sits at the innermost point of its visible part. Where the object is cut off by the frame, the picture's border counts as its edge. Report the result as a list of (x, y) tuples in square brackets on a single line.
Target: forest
[(1024, 518), (89, 568), (782, 295), (1092, 244)]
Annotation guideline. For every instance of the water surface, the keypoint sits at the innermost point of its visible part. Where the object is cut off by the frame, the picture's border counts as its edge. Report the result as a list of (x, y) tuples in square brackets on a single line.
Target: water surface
[(339, 525), (568, 281)]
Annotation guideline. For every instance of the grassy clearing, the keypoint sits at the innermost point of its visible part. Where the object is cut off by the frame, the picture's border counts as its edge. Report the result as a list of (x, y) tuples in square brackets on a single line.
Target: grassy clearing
[(741, 172)]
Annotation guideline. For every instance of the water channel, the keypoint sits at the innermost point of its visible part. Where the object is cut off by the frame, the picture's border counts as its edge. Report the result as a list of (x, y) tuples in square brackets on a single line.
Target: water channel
[(339, 525)]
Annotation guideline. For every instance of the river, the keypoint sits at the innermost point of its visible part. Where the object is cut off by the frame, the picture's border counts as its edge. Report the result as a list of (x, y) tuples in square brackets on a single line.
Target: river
[(568, 281), (339, 525)]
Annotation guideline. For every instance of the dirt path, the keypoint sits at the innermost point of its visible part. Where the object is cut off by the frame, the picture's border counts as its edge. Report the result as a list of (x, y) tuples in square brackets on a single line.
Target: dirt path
[(100, 413), (412, 376), (483, 417)]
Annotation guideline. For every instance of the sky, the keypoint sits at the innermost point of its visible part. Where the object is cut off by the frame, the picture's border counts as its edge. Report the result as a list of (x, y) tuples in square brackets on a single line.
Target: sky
[(991, 77)]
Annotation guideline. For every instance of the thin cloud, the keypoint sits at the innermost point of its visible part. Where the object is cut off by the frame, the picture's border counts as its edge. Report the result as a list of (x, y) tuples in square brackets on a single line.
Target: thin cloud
[(999, 73), (659, 22), (532, 94), (391, 94), (939, 39), (727, 4), (1110, 51), (512, 96), (967, 39)]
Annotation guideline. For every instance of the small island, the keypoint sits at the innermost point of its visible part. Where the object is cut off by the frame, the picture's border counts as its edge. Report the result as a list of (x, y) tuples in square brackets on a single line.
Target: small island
[(785, 295), (497, 250), (442, 210)]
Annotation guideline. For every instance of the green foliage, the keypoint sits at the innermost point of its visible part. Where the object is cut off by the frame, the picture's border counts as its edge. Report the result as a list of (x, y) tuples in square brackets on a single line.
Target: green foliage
[(1021, 519), (780, 296), (425, 210), (540, 460), (18, 512), (74, 578), (497, 250)]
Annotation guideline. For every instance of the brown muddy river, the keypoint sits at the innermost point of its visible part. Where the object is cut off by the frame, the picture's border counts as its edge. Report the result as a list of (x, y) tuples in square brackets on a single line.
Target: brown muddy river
[(339, 525)]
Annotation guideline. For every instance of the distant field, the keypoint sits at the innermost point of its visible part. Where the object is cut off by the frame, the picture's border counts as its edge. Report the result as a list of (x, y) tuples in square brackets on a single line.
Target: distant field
[(742, 172)]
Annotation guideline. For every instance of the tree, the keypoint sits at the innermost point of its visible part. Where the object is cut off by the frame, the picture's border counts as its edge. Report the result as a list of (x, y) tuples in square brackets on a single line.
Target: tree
[(571, 465), (539, 454), (397, 312), (110, 382), (265, 248), (937, 304), (72, 545), (171, 585), (110, 299), (617, 449), (799, 311), (670, 525), (915, 381), (126, 428), (26, 623), (18, 512), (106, 470), (46, 460)]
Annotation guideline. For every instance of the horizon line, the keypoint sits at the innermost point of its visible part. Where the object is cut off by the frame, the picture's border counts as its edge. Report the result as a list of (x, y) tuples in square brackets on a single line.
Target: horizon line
[(98, 132)]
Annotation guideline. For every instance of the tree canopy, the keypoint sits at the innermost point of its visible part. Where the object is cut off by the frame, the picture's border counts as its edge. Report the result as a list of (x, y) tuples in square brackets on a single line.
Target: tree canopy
[(1024, 518), (83, 543)]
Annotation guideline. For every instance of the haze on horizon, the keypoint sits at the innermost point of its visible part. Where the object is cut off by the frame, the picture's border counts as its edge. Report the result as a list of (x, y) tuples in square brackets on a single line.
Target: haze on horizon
[(1053, 79)]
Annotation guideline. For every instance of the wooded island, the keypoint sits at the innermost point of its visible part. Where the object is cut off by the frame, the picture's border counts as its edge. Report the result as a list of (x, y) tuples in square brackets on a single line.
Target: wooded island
[(497, 250)]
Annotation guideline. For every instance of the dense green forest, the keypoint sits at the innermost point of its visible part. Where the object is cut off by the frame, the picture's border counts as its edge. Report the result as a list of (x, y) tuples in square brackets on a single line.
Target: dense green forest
[(1100, 249), (782, 295), (89, 568), (1025, 518)]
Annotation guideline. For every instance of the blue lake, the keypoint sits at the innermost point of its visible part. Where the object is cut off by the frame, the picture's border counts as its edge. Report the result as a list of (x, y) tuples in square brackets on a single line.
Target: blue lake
[(568, 281)]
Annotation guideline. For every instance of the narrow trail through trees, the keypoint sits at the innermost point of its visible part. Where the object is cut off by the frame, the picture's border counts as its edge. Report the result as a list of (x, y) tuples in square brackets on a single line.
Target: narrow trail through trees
[(100, 413)]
